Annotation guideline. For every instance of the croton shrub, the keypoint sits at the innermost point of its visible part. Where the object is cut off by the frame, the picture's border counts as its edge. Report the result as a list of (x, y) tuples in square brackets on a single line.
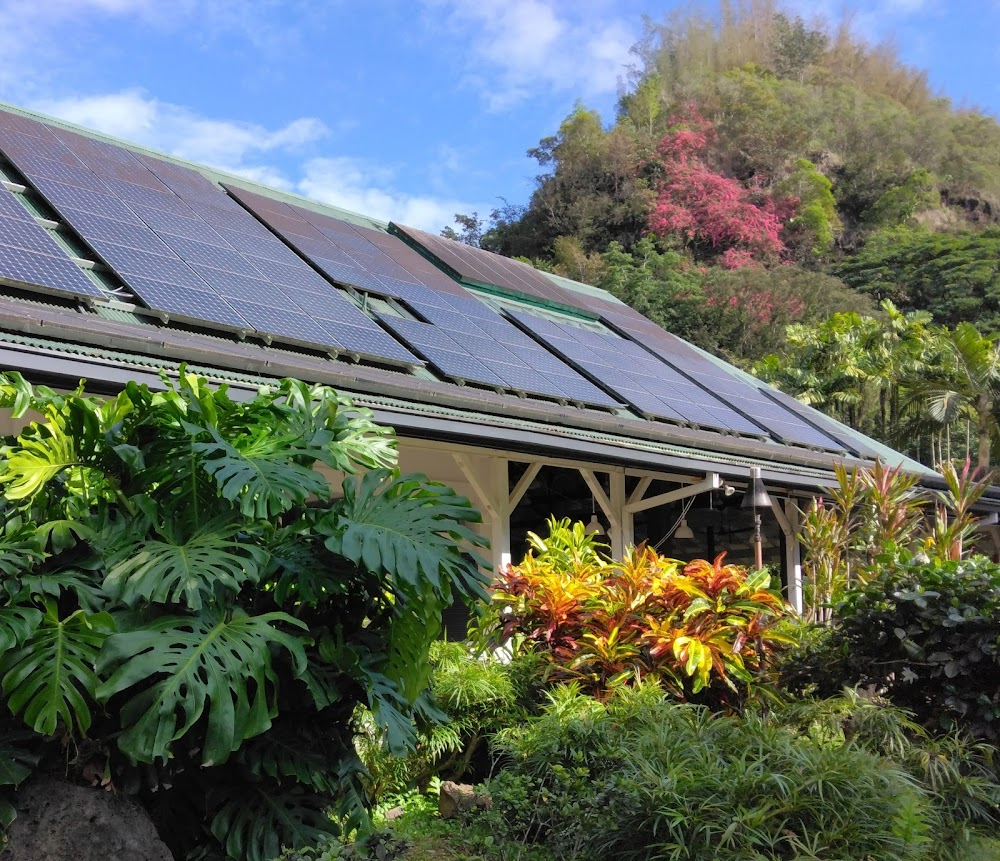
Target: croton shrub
[(705, 630)]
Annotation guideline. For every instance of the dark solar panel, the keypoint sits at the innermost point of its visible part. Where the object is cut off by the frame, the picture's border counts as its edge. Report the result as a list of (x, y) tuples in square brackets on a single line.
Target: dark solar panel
[(647, 384), (61, 195), (747, 398), (186, 303), (475, 264), (48, 271)]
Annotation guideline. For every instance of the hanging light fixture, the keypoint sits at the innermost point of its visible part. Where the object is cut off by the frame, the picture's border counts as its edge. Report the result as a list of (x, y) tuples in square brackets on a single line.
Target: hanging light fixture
[(594, 527), (684, 532), (755, 499)]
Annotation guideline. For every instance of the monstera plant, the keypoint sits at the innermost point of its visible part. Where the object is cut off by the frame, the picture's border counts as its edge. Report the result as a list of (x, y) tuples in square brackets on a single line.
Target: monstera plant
[(190, 614)]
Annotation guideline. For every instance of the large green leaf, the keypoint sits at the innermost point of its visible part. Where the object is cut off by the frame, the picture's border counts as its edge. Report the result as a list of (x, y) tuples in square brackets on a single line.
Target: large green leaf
[(17, 623), (296, 749), (51, 677), (175, 670), (265, 473), (16, 762), (410, 528), (175, 569), (257, 821), (20, 547), (41, 453)]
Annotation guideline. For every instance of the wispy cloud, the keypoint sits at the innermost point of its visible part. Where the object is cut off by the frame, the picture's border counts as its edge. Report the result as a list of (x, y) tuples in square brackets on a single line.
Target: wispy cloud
[(513, 48), (361, 186)]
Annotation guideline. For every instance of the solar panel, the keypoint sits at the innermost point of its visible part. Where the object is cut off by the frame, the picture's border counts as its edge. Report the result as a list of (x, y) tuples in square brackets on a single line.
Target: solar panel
[(186, 303), (70, 174), (47, 271), (288, 325), (337, 249), (214, 256), (368, 340), (476, 264), (747, 398), (134, 235), (651, 387), (60, 195), (160, 227)]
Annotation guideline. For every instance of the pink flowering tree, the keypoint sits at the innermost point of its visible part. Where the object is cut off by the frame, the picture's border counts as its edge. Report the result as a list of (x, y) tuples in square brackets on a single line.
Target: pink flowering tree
[(718, 217)]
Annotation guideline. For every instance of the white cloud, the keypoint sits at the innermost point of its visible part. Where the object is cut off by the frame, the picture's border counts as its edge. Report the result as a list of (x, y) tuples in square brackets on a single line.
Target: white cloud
[(225, 144), (361, 186), (518, 47)]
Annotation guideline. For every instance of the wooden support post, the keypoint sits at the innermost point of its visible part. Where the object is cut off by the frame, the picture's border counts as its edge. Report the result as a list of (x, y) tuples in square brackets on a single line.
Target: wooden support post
[(623, 533), (490, 487), (788, 520)]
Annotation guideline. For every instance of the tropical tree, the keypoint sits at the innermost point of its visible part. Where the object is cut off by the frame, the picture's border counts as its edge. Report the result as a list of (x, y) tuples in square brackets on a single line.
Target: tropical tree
[(193, 614), (964, 384)]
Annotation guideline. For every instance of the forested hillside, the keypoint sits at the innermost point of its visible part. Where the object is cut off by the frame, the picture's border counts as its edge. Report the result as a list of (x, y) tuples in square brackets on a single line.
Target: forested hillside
[(763, 172)]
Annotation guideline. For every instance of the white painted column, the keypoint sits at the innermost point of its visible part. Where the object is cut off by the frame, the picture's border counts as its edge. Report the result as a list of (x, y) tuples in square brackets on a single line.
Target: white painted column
[(788, 520)]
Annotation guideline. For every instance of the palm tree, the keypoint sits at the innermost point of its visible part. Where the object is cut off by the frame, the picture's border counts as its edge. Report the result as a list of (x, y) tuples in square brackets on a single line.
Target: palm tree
[(963, 383)]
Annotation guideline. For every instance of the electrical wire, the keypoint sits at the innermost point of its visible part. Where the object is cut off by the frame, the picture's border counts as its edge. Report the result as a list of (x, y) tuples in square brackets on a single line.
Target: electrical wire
[(684, 513)]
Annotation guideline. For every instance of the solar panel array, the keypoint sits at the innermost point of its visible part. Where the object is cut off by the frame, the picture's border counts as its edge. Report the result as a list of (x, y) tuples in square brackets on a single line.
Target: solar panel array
[(750, 400), (184, 247), (30, 256), (467, 341), (475, 264), (348, 254), (250, 263), (457, 334), (640, 379)]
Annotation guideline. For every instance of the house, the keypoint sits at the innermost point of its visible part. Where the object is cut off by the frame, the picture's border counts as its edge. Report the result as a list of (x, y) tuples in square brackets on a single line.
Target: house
[(530, 393)]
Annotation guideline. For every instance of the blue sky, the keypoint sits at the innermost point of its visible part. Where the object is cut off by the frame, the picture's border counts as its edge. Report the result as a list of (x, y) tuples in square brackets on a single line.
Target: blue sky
[(404, 109)]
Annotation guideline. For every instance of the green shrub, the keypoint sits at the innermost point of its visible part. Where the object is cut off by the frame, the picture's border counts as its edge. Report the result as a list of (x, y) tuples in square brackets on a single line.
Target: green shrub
[(926, 634), (187, 605), (706, 630), (640, 776), (476, 695)]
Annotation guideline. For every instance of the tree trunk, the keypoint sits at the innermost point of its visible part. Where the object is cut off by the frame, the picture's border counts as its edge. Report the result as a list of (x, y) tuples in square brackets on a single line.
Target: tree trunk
[(983, 429)]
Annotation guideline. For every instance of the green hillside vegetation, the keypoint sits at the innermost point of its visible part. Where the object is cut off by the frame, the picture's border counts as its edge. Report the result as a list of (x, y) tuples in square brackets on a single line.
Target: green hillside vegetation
[(764, 171)]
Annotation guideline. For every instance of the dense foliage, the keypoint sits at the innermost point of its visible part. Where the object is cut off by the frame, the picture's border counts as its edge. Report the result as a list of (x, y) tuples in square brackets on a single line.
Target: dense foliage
[(641, 776), (191, 615), (704, 630), (748, 140), (924, 633)]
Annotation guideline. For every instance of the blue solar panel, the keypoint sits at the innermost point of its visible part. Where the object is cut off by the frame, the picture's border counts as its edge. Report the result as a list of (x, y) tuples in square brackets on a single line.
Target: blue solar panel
[(48, 271), (288, 325), (650, 386), (134, 235), (188, 225), (261, 245), (297, 277), (9, 205), (47, 168), (186, 303), (132, 261), (61, 195), (15, 145), (368, 341), (214, 256)]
